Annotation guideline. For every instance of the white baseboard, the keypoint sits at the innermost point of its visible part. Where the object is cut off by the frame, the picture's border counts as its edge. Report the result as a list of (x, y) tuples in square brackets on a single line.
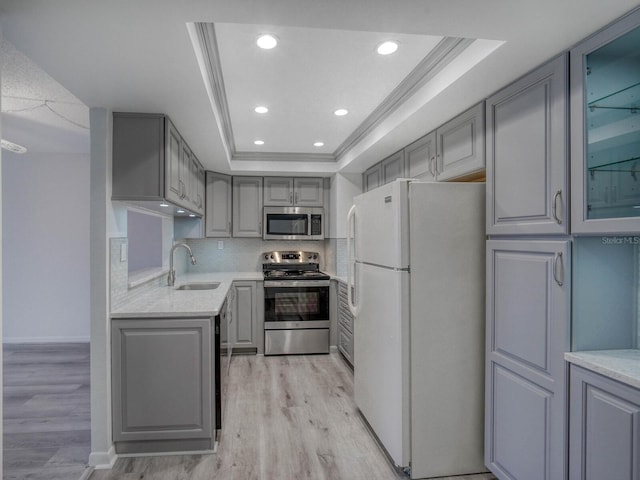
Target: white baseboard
[(103, 460), (45, 340)]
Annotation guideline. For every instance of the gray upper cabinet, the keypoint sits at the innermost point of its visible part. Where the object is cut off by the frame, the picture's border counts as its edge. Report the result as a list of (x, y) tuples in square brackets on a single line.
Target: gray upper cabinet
[(420, 158), (372, 178), (605, 130), (218, 211), (152, 163), (278, 191), (247, 206), (308, 192), (288, 191), (528, 312), (461, 145), (527, 154), (162, 381), (393, 167), (604, 440)]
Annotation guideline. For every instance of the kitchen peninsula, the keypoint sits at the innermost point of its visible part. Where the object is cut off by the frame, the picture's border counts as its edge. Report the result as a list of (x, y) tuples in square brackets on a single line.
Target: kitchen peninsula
[(167, 364)]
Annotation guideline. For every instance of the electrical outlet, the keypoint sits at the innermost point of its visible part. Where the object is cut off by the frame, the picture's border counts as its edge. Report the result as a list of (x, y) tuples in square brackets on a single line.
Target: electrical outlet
[(220, 244), (123, 253)]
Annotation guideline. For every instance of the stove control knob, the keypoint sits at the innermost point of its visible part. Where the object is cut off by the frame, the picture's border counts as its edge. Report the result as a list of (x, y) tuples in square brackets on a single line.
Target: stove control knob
[(266, 257), (315, 256), (271, 257)]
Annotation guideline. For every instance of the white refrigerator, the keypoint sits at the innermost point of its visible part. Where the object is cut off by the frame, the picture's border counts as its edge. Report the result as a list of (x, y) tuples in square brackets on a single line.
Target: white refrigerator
[(416, 289)]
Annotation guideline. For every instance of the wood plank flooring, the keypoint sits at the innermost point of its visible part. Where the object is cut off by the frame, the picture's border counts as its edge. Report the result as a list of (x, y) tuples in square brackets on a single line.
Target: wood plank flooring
[(287, 418), (46, 415)]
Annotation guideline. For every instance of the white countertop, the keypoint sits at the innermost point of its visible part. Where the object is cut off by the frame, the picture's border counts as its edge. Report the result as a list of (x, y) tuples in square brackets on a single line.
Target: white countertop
[(621, 365), (166, 301)]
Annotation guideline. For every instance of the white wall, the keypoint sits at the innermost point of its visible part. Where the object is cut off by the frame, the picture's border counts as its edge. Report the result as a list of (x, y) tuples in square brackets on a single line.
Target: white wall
[(344, 186), (45, 220)]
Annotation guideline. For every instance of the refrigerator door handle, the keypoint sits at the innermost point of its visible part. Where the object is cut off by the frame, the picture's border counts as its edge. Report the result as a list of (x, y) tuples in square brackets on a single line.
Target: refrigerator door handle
[(351, 260)]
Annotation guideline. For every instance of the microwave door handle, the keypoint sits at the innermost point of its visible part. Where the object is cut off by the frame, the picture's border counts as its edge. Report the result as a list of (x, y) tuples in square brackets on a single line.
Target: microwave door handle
[(353, 307)]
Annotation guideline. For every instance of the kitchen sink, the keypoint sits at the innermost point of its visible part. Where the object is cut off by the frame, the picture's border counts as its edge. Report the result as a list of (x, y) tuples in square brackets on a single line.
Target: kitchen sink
[(199, 286)]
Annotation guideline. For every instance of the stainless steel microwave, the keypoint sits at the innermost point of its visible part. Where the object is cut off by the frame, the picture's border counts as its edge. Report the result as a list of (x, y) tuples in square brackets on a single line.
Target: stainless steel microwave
[(293, 223)]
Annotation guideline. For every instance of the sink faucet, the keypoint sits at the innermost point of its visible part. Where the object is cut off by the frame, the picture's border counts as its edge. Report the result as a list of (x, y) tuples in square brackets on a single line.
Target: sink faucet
[(171, 278)]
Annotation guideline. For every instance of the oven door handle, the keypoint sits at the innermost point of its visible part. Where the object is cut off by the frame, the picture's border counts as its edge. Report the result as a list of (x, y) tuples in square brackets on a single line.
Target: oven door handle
[(295, 283), (351, 262)]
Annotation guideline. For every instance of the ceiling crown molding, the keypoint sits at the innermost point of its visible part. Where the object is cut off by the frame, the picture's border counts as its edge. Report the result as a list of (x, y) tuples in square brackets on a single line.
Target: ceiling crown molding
[(446, 51)]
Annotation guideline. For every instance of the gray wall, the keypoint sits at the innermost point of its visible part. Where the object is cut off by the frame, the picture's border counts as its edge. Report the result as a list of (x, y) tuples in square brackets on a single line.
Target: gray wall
[(145, 241), (45, 221)]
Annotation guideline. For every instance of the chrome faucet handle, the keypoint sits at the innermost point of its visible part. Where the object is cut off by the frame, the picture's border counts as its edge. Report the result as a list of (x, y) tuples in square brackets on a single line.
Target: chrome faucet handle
[(171, 278)]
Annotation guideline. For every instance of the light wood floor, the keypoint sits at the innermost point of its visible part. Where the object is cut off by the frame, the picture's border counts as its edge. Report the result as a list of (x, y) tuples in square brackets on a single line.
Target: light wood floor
[(287, 418), (46, 416)]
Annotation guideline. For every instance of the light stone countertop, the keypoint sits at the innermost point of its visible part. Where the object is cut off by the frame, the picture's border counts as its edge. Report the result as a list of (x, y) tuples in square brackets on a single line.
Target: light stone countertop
[(620, 365), (166, 301)]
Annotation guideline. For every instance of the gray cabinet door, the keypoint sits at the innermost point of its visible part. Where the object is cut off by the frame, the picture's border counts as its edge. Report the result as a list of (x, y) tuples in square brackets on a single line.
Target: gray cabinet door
[(247, 206), (175, 165), (527, 138), (245, 315), (604, 440), (392, 167), (200, 189), (371, 178), (527, 335), (308, 192), (218, 210), (345, 324), (461, 144), (420, 158), (278, 191), (161, 379)]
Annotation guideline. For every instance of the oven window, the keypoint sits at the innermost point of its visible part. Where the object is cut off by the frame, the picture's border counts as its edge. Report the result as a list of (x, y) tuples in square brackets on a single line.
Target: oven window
[(287, 223), (286, 304)]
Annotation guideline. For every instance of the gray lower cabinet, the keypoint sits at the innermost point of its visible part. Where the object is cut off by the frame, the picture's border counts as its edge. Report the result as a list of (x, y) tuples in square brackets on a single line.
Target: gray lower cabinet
[(527, 154), (247, 206), (604, 440), (218, 201), (245, 315), (162, 384), (460, 145), (528, 314), (345, 324)]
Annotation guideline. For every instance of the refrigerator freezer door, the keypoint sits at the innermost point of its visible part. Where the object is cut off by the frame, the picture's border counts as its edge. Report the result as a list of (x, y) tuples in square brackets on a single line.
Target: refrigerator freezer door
[(381, 373), (382, 225)]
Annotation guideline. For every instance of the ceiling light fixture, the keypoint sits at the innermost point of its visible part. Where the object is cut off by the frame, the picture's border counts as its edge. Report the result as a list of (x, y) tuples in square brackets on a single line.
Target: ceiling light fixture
[(341, 112), (387, 48), (164, 204), (258, 142), (12, 147), (180, 211), (318, 144), (267, 41), (261, 109), (192, 215)]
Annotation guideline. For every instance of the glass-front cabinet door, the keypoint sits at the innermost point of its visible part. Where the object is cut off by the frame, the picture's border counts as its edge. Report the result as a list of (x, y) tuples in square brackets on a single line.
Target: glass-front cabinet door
[(605, 138)]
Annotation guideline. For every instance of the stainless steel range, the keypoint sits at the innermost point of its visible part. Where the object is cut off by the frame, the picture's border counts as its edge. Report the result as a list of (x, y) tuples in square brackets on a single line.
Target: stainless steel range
[(296, 304)]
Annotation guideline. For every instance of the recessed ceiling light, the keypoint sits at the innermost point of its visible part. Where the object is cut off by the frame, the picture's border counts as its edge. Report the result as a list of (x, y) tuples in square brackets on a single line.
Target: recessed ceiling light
[(12, 147), (341, 112), (258, 142), (387, 48), (261, 109), (180, 211), (318, 144), (267, 41)]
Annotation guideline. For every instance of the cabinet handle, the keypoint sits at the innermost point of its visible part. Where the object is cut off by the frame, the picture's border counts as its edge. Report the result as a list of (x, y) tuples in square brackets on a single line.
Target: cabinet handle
[(557, 196), (557, 261), (291, 198), (229, 227), (296, 198), (183, 189)]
